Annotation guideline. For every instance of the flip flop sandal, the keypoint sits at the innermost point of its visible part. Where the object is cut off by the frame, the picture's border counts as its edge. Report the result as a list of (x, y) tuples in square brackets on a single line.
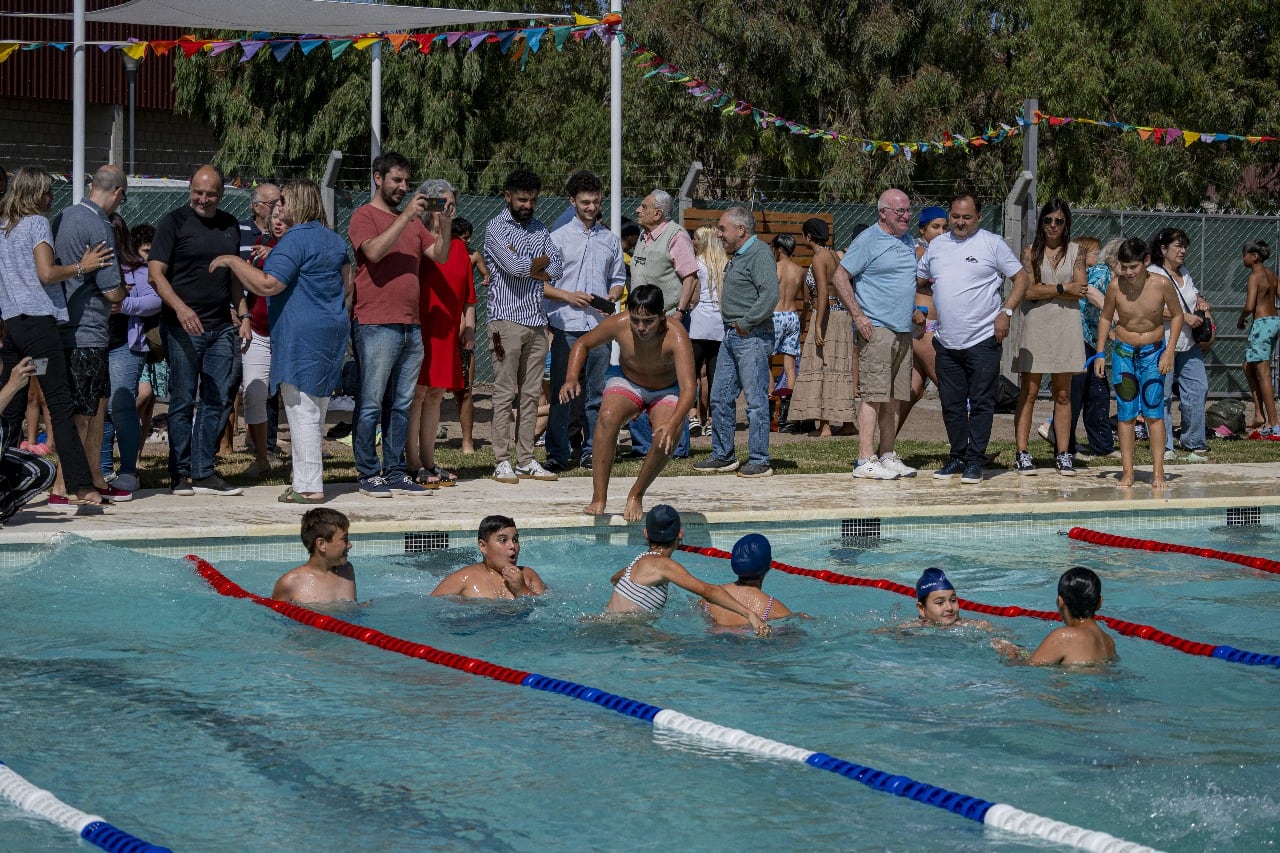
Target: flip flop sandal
[(440, 476), (292, 497)]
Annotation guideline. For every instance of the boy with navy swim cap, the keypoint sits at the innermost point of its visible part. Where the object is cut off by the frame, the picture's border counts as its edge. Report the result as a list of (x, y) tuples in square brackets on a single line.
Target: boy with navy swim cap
[(752, 559)]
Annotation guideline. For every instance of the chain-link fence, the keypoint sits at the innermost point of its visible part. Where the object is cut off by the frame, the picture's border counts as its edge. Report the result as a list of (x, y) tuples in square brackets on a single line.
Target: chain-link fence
[(1214, 259)]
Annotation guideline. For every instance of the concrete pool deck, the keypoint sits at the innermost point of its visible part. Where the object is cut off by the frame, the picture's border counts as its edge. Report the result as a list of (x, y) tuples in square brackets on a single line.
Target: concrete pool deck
[(715, 498)]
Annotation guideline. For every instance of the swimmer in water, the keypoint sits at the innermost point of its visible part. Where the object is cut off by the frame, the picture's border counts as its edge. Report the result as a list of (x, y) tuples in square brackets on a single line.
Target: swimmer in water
[(497, 575), (1081, 639), (641, 587), (752, 559), (327, 575), (938, 605)]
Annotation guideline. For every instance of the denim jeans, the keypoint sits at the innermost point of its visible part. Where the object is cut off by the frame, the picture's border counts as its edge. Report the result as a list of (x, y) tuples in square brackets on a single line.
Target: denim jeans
[(1193, 390), (742, 367), (122, 408), (967, 389), (204, 367), (591, 382), (1092, 397), (390, 357)]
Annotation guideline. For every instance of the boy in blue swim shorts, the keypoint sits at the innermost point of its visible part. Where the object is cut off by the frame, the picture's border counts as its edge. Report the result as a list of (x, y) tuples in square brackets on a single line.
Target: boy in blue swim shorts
[(1139, 301), (1260, 306)]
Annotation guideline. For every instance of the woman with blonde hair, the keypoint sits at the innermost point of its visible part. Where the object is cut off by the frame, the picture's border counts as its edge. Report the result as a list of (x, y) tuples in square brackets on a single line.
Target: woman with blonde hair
[(706, 325), (307, 278), (32, 307)]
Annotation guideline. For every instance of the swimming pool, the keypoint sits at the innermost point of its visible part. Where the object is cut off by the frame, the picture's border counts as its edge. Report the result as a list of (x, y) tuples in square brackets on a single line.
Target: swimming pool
[(205, 723)]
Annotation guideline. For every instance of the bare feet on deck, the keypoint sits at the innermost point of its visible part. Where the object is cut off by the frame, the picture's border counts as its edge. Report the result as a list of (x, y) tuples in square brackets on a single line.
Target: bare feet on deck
[(634, 510), (1125, 482), (594, 508)]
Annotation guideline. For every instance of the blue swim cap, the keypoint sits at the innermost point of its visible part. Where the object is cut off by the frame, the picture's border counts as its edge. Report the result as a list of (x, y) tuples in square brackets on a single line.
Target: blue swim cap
[(752, 555), (931, 581), (662, 523), (931, 213)]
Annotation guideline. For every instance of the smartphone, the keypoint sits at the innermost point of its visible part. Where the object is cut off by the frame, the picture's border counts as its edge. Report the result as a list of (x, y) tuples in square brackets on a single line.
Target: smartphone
[(42, 365), (604, 306), (435, 205)]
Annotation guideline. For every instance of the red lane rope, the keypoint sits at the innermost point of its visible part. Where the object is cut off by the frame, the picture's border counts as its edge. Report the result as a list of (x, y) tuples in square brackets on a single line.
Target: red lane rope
[(1094, 537), (474, 666), (1121, 626)]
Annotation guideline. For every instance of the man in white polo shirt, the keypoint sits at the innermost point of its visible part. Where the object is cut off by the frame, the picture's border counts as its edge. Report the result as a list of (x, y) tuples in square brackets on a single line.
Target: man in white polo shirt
[(964, 270)]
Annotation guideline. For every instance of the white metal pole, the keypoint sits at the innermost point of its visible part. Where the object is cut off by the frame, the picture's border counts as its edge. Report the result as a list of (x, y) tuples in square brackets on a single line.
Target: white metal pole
[(615, 131), (375, 109), (77, 102)]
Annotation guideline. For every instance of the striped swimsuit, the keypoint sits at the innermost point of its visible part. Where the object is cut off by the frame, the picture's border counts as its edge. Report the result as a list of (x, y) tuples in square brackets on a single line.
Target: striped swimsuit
[(651, 598)]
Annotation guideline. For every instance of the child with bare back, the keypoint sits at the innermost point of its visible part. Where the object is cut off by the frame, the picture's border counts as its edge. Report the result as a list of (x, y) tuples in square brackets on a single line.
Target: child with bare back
[(498, 574), (1260, 305), (328, 575), (1136, 307), (654, 374), (1080, 640)]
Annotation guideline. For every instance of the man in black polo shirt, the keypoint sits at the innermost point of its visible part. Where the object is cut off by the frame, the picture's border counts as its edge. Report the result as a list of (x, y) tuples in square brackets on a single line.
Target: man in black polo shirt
[(203, 342)]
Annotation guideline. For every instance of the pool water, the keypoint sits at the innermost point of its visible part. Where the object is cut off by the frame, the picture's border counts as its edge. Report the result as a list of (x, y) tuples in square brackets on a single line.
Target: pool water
[(132, 690)]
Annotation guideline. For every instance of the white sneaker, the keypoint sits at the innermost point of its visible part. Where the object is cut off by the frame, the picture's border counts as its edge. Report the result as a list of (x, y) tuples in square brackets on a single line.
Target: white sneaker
[(503, 473), (531, 470), (893, 462), (1170, 456), (871, 469)]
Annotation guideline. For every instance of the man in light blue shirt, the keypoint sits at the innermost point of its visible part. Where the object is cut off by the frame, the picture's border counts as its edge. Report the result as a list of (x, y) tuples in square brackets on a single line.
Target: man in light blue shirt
[(877, 281), (591, 282)]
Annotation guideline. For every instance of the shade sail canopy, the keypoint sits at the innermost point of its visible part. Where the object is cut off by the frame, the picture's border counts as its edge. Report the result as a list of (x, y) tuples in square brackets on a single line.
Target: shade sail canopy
[(321, 17)]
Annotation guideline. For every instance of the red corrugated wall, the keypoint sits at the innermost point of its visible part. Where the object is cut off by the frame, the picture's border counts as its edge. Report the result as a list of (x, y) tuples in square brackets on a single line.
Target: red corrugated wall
[(45, 73)]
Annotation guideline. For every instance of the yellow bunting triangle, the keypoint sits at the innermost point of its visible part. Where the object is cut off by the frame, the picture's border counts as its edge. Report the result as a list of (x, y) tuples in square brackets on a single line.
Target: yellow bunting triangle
[(1189, 136), (362, 43), (135, 50)]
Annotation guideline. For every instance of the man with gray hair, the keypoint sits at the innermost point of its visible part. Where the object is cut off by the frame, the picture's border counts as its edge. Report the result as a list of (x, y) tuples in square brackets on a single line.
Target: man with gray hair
[(748, 295)]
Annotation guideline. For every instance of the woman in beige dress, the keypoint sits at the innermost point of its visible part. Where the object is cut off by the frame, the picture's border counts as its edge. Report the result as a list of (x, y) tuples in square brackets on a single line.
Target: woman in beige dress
[(828, 361), (1049, 337)]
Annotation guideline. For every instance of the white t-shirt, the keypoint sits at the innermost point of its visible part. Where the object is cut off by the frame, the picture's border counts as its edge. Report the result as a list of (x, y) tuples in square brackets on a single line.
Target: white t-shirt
[(967, 276), (1189, 296), (705, 321)]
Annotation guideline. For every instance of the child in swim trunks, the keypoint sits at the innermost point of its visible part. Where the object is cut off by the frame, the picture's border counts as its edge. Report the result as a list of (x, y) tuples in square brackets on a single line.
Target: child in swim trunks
[(497, 575), (327, 575), (1081, 639), (1260, 305), (1140, 301)]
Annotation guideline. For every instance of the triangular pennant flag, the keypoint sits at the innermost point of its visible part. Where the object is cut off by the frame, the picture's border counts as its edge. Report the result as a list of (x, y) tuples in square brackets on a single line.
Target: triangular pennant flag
[(476, 40), (250, 49), (506, 39), (102, 47), (60, 45), (7, 49), (366, 41), (1144, 133), (219, 47), (337, 46), (280, 49), (191, 48), (424, 43), (1189, 137), (534, 37), (583, 20), (135, 50), (162, 47), (1171, 135), (308, 45), (561, 34), (397, 41), (450, 39)]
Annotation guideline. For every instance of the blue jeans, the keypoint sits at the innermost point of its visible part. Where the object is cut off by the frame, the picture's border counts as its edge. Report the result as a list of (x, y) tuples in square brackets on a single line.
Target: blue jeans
[(967, 389), (206, 365), (742, 367), (1193, 391), (591, 381), (1092, 397), (390, 357), (122, 409)]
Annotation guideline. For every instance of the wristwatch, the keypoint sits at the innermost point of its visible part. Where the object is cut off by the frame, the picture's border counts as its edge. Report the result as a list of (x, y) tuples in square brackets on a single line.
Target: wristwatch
[(1008, 312), (1061, 290)]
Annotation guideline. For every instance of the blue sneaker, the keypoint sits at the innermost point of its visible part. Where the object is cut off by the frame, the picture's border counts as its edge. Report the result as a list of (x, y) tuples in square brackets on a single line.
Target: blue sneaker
[(375, 487), (953, 468), (404, 485)]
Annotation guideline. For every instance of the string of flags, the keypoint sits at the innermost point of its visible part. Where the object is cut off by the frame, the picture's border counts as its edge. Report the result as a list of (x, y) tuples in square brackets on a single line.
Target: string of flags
[(1156, 135)]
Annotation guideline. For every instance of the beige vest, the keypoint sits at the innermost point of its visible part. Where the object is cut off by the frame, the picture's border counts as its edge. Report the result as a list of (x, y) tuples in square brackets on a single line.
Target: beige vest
[(651, 264)]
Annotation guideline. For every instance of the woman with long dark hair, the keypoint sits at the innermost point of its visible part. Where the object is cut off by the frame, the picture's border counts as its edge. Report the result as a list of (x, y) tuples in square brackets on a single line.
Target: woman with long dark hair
[(1049, 338), (1168, 251)]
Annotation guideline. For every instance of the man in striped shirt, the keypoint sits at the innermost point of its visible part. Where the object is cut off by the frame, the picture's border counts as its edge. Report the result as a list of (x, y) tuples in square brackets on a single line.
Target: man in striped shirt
[(522, 259)]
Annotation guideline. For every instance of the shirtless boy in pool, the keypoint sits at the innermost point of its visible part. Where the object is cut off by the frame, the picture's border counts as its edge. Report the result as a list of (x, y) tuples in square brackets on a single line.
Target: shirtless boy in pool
[(654, 373), (498, 574), (1081, 639), (327, 574)]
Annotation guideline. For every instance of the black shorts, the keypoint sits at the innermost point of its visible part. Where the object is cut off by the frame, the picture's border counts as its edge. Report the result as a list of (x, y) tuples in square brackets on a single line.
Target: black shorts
[(88, 378)]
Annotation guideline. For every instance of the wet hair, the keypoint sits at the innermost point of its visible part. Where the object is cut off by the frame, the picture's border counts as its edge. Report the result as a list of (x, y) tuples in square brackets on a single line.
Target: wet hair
[(1081, 591), (1162, 241), (583, 181), (25, 196), (126, 249), (786, 243), (972, 199), (321, 523), (141, 234), (1259, 248), (522, 181), (1054, 205), (463, 226), (389, 160), (816, 230), (1131, 250), (647, 297), (491, 524)]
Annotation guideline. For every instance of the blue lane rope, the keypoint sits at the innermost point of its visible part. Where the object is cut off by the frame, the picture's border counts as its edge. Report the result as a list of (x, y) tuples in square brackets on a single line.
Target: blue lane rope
[(997, 815), (91, 828)]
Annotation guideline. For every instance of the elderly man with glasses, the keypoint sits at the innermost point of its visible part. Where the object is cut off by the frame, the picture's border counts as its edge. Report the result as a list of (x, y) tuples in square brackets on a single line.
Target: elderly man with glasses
[(877, 281)]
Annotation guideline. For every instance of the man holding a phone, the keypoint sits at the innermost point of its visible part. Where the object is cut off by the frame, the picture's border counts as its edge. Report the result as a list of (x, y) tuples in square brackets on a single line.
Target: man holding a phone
[(594, 275)]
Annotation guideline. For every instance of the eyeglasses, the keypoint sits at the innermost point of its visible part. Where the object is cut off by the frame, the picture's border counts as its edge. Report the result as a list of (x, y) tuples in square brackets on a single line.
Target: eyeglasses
[(897, 211), (1054, 220), (272, 203)]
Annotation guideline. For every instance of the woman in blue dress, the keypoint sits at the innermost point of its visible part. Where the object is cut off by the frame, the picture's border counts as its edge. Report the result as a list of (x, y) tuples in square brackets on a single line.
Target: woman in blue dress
[(307, 279)]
